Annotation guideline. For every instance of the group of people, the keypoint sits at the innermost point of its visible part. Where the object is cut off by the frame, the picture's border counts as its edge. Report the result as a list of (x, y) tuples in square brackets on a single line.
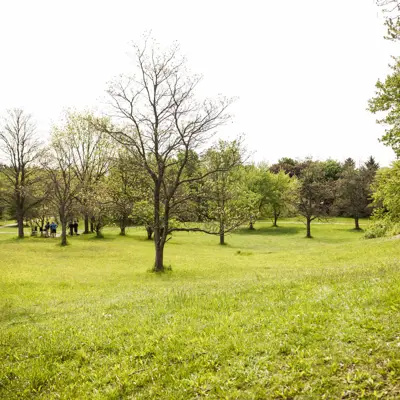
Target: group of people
[(73, 228), (49, 230)]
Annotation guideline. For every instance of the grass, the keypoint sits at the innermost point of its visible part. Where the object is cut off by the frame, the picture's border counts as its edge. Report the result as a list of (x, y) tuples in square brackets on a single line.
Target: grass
[(271, 315)]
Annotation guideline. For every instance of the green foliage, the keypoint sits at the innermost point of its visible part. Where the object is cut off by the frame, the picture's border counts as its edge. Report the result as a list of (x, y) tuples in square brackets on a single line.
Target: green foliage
[(387, 100), (316, 193), (387, 192), (229, 201), (381, 228), (353, 197), (277, 191)]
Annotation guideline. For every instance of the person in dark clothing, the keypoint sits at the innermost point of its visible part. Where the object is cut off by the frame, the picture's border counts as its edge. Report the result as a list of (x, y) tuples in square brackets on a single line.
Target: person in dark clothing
[(76, 227), (46, 229), (71, 228)]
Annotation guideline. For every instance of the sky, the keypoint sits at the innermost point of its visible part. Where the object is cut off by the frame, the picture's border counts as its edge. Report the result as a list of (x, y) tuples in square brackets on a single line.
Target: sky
[(303, 71)]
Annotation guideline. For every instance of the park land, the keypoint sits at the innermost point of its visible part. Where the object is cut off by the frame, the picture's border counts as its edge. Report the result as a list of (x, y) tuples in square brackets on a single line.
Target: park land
[(269, 315)]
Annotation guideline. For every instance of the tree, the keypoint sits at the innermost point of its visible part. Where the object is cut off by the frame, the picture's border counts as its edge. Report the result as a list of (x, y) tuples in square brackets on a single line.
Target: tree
[(315, 194), (289, 166), (91, 152), (333, 169), (159, 119), (349, 162), (387, 192), (229, 201), (387, 100), (354, 193), (65, 186), (21, 148), (282, 194), (125, 187), (371, 165)]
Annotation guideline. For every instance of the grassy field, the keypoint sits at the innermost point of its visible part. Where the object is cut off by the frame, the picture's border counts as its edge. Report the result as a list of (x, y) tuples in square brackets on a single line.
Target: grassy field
[(272, 315)]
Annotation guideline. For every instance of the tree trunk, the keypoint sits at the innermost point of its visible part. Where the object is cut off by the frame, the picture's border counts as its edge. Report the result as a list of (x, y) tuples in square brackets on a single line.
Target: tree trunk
[(63, 232), (122, 226), (159, 262), (276, 216), (86, 231), (149, 231), (357, 224), (221, 232), (251, 227), (158, 242), (309, 228), (20, 221)]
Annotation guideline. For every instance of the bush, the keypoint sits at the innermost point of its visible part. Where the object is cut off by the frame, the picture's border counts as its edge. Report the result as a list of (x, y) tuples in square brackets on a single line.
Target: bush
[(381, 228)]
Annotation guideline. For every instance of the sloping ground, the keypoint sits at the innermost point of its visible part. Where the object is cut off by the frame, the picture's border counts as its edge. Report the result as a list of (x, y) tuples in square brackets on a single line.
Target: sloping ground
[(271, 315)]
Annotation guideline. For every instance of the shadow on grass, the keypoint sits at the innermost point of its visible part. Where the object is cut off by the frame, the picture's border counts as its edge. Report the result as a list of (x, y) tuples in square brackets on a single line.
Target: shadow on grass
[(270, 231), (103, 238), (353, 230)]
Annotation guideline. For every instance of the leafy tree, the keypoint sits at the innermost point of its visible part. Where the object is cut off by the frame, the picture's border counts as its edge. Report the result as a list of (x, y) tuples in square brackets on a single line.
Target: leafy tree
[(387, 192), (125, 187), (354, 193), (160, 124), (387, 100), (315, 194), (333, 169), (21, 148), (90, 152), (65, 186), (229, 201), (281, 197)]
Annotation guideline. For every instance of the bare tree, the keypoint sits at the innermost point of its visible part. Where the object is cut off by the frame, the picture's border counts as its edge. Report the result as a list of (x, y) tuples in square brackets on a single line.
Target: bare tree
[(391, 10), (389, 6), (21, 147), (162, 124)]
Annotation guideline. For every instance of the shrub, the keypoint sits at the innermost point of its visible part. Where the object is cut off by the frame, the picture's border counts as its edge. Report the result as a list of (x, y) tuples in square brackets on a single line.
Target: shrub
[(381, 228)]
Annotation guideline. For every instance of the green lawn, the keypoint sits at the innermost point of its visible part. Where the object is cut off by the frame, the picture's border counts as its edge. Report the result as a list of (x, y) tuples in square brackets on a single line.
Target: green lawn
[(270, 315)]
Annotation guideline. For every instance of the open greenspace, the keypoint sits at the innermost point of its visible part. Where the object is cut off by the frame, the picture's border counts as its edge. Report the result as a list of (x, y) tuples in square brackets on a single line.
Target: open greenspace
[(269, 315)]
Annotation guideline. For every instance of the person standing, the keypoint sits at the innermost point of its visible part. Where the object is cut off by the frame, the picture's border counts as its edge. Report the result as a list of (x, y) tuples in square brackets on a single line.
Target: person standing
[(76, 227), (53, 229), (46, 229), (71, 228)]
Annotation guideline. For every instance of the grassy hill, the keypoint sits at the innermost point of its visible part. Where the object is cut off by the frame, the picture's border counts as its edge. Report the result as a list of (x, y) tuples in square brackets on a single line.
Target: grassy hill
[(270, 315)]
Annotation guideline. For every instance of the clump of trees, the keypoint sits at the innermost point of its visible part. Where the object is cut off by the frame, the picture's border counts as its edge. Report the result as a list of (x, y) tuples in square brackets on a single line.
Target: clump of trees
[(150, 161)]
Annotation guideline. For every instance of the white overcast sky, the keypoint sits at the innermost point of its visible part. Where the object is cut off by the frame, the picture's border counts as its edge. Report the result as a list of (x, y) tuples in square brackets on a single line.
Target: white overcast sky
[(303, 70)]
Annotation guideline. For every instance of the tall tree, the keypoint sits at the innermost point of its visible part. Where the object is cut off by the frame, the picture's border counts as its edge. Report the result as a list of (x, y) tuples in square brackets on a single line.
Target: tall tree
[(160, 119), (315, 194), (90, 152), (21, 147), (65, 186)]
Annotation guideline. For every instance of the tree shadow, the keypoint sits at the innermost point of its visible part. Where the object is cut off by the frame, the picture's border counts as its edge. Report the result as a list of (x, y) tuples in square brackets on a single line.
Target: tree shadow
[(353, 230), (270, 231)]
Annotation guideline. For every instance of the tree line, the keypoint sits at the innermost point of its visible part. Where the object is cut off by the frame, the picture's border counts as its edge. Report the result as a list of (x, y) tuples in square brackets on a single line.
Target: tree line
[(148, 160)]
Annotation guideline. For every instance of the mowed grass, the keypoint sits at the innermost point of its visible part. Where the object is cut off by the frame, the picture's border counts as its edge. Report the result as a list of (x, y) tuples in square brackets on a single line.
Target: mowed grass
[(272, 315)]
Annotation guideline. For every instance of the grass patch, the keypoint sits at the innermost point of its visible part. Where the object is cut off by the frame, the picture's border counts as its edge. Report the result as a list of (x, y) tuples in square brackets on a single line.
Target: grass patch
[(271, 315)]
